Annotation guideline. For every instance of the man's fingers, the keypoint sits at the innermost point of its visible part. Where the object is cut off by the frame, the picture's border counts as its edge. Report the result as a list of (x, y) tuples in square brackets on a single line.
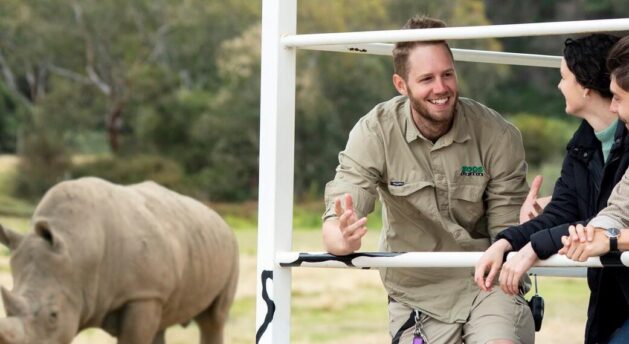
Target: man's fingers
[(349, 203), (566, 244), (352, 227), (589, 233), (479, 274), (573, 251), (581, 233), (489, 281), (358, 233), (573, 233), (338, 209), (538, 208), (479, 277), (502, 280), (535, 186), (344, 219)]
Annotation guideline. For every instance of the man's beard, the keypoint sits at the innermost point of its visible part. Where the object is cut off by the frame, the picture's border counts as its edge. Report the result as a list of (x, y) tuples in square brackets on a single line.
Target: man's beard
[(427, 116)]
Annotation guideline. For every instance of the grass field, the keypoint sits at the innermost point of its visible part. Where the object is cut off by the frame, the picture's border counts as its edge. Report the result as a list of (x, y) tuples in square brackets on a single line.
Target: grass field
[(330, 306)]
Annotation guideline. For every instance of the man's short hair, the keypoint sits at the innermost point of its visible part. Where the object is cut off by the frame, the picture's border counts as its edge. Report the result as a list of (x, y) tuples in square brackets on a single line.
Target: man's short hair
[(586, 58), (618, 63), (402, 49)]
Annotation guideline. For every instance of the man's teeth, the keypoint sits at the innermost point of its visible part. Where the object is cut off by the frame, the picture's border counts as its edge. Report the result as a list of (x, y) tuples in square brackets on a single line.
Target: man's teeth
[(439, 101)]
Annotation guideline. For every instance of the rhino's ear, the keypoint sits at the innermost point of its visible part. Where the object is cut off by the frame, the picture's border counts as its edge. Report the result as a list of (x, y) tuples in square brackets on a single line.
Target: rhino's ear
[(9, 238), (43, 230)]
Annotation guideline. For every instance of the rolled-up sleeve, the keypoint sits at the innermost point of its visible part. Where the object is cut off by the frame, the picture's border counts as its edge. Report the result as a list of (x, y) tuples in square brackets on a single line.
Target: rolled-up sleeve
[(507, 187), (360, 169), (616, 214)]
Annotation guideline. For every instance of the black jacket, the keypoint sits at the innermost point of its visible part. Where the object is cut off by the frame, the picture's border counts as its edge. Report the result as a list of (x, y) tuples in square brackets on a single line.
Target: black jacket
[(580, 193)]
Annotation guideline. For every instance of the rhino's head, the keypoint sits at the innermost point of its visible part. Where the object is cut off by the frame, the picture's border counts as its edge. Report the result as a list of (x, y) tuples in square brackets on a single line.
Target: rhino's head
[(43, 305)]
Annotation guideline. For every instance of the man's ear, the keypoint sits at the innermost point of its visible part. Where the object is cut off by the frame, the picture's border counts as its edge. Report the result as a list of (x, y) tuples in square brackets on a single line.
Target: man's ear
[(400, 84)]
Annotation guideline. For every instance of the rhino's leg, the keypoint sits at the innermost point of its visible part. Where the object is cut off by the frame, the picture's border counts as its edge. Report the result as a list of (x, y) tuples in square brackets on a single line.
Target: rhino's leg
[(211, 325), (212, 321), (160, 338), (140, 322)]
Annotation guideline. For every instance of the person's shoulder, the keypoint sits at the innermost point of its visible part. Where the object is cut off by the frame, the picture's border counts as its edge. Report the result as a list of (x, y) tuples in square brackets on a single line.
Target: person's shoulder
[(385, 113), (481, 116)]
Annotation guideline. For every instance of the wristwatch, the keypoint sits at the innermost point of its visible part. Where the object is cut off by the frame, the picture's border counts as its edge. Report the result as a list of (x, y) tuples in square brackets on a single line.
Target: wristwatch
[(613, 234)]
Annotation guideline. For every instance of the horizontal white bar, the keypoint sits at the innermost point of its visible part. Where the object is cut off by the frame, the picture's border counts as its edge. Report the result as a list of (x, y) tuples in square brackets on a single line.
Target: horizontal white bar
[(559, 272), (366, 260), (467, 55), (464, 32)]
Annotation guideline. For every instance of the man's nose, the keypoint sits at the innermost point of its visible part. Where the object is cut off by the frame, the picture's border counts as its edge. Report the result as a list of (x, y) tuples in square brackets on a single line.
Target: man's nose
[(440, 86), (613, 107)]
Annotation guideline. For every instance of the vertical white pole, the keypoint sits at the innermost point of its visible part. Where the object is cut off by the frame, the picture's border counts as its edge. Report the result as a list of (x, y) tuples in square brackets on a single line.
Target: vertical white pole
[(277, 136)]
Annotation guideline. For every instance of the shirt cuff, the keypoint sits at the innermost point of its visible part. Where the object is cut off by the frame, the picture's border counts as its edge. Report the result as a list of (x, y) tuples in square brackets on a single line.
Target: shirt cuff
[(605, 222)]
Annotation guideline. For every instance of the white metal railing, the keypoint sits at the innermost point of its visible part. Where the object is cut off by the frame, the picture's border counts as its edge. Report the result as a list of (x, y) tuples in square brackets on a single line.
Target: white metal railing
[(453, 33), (556, 265), (467, 55), (367, 260), (277, 119)]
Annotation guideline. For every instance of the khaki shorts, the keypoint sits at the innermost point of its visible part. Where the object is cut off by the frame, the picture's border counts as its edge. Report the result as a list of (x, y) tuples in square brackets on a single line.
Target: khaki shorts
[(495, 315)]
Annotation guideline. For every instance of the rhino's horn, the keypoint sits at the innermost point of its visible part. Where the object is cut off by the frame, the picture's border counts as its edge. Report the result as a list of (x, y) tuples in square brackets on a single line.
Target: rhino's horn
[(12, 331), (13, 305), (9, 238)]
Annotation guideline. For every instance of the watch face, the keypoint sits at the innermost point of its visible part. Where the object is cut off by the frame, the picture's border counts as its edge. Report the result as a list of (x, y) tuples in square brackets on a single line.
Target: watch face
[(612, 232)]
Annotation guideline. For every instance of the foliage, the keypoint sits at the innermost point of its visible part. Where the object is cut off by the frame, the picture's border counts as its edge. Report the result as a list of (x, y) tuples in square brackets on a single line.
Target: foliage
[(44, 159), (180, 80), (544, 138), (134, 169)]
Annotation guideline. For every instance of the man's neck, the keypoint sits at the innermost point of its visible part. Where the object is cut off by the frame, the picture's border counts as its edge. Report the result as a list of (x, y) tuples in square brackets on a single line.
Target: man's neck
[(431, 130)]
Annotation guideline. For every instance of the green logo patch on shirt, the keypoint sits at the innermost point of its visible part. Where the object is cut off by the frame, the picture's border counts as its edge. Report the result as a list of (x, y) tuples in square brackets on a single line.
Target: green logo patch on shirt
[(472, 171)]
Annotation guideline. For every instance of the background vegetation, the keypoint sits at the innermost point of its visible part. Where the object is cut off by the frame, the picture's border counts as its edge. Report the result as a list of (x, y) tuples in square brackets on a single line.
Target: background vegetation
[(170, 91), (153, 89)]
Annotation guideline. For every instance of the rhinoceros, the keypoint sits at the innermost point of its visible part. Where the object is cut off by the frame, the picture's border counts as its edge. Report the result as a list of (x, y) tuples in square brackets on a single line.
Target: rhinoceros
[(131, 260)]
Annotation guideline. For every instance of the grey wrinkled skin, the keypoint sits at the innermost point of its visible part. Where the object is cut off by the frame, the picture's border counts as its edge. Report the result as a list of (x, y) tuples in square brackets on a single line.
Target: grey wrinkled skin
[(131, 260)]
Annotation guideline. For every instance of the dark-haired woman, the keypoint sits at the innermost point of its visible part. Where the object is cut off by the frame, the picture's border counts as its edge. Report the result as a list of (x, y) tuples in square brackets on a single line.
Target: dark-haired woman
[(594, 163)]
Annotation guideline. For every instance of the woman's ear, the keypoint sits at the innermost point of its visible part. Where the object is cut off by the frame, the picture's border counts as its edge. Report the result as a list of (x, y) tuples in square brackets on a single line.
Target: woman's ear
[(586, 92)]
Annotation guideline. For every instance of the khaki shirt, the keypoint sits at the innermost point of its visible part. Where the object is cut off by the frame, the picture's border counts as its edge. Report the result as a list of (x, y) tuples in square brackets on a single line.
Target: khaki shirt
[(451, 195), (616, 214)]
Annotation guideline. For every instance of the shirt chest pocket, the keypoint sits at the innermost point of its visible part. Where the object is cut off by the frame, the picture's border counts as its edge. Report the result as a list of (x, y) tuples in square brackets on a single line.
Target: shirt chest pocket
[(467, 206), (410, 197)]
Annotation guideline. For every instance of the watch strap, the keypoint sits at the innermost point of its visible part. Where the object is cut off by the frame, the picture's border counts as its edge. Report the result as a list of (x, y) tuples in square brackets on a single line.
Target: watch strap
[(613, 244)]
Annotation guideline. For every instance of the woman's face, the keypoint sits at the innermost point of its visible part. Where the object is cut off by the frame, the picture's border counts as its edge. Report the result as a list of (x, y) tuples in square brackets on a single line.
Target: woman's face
[(572, 91)]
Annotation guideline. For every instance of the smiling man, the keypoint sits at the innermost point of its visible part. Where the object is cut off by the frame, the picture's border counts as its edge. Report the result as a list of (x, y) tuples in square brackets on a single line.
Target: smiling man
[(450, 173)]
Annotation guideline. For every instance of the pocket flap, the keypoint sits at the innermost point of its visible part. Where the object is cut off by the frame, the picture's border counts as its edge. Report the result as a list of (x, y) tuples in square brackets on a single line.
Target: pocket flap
[(408, 188), (468, 192)]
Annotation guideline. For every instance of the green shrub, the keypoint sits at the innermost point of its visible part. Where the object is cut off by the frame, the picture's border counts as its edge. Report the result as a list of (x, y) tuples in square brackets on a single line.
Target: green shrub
[(544, 138), (132, 169), (44, 161)]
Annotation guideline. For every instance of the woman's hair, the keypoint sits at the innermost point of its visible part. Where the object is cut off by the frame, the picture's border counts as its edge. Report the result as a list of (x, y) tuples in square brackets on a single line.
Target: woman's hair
[(586, 57), (618, 63)]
